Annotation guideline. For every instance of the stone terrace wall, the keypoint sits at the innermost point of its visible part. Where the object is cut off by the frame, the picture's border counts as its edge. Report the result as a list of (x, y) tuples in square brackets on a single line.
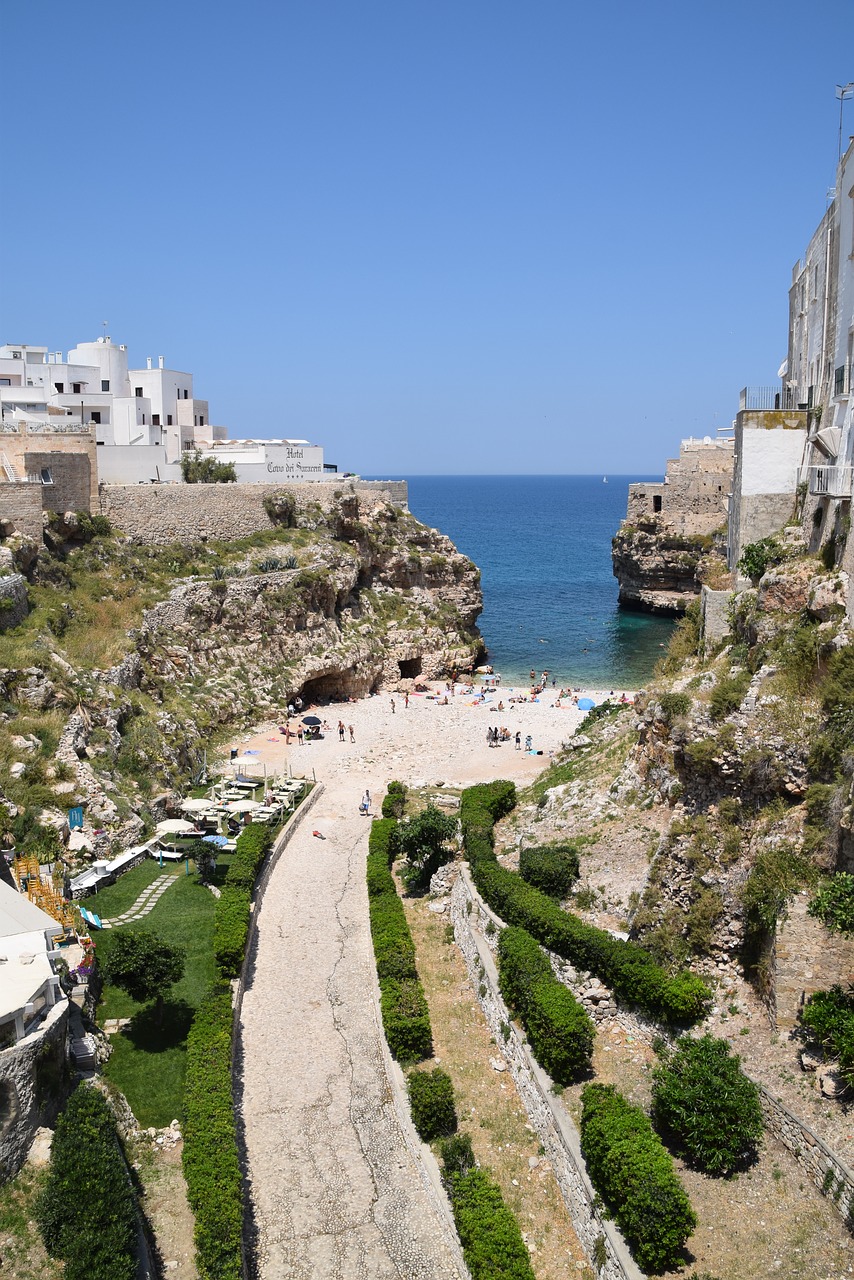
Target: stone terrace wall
[(23, 1110), (21, 508), (806, 959), (160, 514)]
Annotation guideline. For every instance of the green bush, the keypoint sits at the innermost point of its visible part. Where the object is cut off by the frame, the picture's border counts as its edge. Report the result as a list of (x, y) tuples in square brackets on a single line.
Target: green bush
[(560, 1032), (210, 1156), (674, 706), (833, 905), (778, 872), (758, 557), (493, 1247), (431, 1101), (828, 1018), (87, 1211), (424, 842), (635, 1177), (231, 917), (394, 802), (405, 1016), (196, 469), (550, 867), (627, 968), (728, 694), (701, 1095)]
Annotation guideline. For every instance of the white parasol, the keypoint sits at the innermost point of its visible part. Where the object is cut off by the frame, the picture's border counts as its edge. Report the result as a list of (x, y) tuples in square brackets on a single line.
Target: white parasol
[(193, 805), (174, 826), (243, 806)]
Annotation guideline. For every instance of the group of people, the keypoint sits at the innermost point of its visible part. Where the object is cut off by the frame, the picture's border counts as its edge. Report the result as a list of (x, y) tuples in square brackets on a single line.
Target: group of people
[(342, 732)]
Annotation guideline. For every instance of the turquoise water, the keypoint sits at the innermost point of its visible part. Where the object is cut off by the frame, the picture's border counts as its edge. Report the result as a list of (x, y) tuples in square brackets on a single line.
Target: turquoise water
[(543, 544)]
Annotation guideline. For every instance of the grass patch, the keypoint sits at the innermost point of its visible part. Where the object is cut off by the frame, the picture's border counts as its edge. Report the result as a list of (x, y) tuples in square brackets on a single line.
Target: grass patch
[(148, 1062), (115, 899), (22, 1254)]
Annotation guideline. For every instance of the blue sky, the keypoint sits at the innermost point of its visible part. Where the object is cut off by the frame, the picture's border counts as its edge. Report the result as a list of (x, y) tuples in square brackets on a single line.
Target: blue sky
[(463, 236)]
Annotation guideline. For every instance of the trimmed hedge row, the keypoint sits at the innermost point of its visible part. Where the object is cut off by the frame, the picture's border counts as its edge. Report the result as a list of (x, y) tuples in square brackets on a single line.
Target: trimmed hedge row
[(629, 970), (493, 1247), (210, 1159), (231, 919), (560, 1032), (87, 1210), (394, 802), (406, 1018), (634, 1175), (431, 1101)]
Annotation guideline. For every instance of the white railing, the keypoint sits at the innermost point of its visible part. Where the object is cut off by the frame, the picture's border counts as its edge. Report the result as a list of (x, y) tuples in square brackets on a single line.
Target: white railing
[(8, 470), (830, 482), (58, 428)]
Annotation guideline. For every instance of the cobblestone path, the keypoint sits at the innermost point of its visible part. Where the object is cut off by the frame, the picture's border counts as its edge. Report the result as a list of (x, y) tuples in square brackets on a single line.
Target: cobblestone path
[(146, 902)]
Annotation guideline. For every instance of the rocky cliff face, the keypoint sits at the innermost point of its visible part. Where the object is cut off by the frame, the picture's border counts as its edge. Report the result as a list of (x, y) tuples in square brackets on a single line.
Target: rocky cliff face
[(358, 596), (660, 570)]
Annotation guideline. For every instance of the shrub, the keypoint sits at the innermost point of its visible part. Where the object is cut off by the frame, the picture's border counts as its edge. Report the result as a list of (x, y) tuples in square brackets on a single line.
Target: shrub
[(674, 706), (456, 1155), (210, 1156), (431, 1101), (560, 1032), (624, 966), (758, 557), (423, 841), (634, 1175), (552, 868), (701, 1095), (833, 905), (493, 1247), (394, 802), (828, 1017), (727, 694), (231, 917), (405, 1016), (778, 872), (87, 1211), (198, 470)]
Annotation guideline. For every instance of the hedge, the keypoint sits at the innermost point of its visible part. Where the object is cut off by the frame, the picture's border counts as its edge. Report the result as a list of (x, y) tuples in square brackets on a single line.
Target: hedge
[(210, 1157), (634, 1175), (558, 1028), (231, 918), (493, 1247), (431, 1101), (87, 1211), (629, 970), (403, 1006), (394, 802), (550, 867)]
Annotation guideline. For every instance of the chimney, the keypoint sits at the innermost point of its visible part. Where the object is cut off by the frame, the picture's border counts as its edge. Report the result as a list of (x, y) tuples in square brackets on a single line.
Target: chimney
[(160, 360), (148, 362)]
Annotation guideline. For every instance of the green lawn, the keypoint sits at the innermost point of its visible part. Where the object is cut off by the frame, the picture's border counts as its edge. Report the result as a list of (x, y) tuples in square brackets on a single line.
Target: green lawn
[(148, 1062), (116, 898)]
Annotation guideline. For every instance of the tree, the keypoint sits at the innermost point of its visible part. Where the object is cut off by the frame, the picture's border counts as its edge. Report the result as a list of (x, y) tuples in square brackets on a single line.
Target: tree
[(86, 1213), (701, 1095), (758, 557), (203, 854), (423, 842), (198, 470), (144, 966)]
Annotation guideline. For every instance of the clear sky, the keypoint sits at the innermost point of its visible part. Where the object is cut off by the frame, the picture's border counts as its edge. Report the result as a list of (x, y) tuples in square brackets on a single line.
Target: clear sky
[(455, 236)]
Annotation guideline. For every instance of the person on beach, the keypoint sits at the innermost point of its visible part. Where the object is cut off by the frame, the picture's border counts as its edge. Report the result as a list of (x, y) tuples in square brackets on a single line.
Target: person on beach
[(518, 740), (406, 699), (365, 806), (392, 706), (352, 734), (299, 734), (340, 730), (529, 742), (533, 675)]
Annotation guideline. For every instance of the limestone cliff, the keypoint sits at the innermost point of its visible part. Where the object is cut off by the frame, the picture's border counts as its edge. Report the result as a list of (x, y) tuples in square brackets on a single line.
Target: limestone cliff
[(334, 599), (659, 570)]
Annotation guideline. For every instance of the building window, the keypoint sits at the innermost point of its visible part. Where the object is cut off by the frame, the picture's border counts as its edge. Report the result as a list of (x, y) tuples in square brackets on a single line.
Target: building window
[(169, 419), (105, 384), (75, 388), (5, 382), (60, 387), (201, 419), (155, 419), (137, 391), (839, 381), (46, 475), (95, 416), (186, 394), (195, 421), (143, 419), (656, 502)]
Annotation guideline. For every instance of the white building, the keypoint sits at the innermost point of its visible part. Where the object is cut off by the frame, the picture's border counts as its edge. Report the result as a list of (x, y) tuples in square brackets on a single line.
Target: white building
[(28, 984), (145, 420)]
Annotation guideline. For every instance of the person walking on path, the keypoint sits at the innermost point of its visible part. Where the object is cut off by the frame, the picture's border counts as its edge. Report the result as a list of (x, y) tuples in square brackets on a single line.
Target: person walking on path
[(352, 734), (365, 806)]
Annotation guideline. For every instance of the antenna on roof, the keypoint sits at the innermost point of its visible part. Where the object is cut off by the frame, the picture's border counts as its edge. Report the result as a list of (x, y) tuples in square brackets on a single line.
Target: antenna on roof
[(104, 323), (843, 92)]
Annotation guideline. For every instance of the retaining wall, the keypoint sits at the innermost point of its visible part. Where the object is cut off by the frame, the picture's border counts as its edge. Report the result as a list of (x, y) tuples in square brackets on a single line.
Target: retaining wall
[(23, 1109), (160, 514)]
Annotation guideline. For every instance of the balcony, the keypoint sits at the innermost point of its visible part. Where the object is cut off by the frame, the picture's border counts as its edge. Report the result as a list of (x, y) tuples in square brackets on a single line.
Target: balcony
[(761, 398), (830, 482)]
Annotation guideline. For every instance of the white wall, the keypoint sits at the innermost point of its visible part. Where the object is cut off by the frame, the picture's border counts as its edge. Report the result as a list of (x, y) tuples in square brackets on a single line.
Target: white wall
[(770, 461), (136, 464)]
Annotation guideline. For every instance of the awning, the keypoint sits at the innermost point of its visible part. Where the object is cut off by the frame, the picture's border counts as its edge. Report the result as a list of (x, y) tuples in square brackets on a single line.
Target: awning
[(827, 441)]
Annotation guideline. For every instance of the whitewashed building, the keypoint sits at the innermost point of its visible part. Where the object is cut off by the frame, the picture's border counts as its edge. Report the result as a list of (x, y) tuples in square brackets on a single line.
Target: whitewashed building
[(144, 420)]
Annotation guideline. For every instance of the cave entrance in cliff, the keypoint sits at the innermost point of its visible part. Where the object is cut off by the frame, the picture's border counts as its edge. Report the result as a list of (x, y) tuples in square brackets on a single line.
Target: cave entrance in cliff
[(336, 687), (410, 668)]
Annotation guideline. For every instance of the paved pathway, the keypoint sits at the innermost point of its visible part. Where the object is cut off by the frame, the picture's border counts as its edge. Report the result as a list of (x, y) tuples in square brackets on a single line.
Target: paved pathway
[(146, 902), (337, 1193)]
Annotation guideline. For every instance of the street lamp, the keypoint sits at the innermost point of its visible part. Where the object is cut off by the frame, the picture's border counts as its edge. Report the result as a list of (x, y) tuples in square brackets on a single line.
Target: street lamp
[(843, 92)]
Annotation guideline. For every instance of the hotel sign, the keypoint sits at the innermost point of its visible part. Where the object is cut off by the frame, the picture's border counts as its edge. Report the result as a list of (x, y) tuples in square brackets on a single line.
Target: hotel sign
[(295, 462)]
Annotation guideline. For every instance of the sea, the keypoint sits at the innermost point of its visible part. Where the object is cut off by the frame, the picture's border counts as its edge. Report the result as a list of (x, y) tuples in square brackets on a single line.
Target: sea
[(543, 545)]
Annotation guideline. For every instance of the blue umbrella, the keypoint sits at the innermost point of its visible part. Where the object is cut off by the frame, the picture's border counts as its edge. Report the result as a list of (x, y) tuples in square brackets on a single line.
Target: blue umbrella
[(219, 841), (586, 704)]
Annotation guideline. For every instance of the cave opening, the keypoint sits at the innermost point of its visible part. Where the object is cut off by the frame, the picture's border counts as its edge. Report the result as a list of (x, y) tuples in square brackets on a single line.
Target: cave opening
[(410, 668)]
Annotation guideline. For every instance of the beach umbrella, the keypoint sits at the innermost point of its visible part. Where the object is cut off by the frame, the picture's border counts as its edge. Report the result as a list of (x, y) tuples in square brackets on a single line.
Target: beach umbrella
[(242, 806), (193, 805), (311, 720), (174, 826), (244, 760), (219, 841), (586, 704)]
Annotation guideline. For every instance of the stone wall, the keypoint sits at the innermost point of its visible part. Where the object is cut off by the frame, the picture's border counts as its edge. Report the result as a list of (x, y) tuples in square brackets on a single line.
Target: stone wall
[(546, 1112), (807, 958), (35, 445), (160, 514), (714, 616), (23, 1106), (769, 452), (71, 474), (21, 509), (693, 498)]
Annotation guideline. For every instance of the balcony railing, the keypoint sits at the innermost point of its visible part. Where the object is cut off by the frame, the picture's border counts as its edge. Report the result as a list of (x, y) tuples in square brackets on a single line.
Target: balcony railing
[(769, 398), (830, 482)]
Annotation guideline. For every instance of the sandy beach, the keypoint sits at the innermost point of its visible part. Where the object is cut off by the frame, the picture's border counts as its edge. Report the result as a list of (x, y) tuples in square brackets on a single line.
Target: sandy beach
[(425, 742)]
